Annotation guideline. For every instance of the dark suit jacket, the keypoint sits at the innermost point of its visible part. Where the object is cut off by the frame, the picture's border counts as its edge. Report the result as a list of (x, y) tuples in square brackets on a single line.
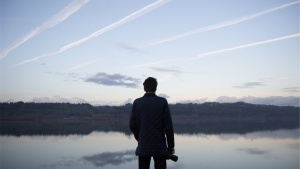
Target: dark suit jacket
[(151, 124)]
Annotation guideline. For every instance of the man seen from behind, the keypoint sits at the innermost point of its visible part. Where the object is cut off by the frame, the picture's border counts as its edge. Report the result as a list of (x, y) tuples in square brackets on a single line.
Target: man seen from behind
[(152, 127)]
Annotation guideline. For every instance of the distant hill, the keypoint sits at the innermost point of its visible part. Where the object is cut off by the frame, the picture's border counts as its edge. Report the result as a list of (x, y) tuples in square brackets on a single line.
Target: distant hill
[(210, 118), (209, 110)]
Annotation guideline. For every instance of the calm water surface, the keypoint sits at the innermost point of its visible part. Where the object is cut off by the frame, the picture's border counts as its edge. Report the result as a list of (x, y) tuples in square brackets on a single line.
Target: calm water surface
[(110, 150)]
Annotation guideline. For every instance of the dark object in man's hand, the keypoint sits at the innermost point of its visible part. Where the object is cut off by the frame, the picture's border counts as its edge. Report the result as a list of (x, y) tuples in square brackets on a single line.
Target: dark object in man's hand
[(172, 157)]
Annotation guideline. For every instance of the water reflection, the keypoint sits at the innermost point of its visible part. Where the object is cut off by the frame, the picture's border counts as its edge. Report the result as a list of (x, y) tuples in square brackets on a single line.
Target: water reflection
[(100, 160), (113, 158), (253, 151), (65, 162), (261, 149)]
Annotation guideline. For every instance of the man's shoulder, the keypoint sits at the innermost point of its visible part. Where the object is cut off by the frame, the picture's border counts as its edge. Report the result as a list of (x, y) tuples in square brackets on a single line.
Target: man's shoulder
[(158, 98), (161, 98)]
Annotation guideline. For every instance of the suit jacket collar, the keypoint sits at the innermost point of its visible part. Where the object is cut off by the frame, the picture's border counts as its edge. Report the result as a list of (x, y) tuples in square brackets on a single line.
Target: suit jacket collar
[(149, 94)]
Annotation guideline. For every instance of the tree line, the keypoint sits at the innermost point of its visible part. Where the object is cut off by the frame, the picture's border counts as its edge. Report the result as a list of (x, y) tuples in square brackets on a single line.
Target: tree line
[(64, 118), (84, 111)]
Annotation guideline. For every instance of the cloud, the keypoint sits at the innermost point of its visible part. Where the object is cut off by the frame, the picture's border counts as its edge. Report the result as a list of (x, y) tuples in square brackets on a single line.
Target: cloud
[(128, 47), (56, 19), (272, 100), (99, 32), (167, 70), (128, 101), (163, 95), (113, 158), (114, 80), (220, 25), (193, 101), (292, 89), (67, 76), (250, 85), (83, 64), (58, 99), (150, 64)]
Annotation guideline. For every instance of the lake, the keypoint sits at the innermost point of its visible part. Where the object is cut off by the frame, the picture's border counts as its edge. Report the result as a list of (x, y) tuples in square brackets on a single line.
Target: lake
[(114, 148)]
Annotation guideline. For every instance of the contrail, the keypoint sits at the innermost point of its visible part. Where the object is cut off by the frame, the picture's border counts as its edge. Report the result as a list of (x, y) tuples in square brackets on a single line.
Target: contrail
[(56, 19), (149, 64), (120, 22), (245, 46), (84, 64), (37, 58), (220, 25), (130, 17), (218, 51)]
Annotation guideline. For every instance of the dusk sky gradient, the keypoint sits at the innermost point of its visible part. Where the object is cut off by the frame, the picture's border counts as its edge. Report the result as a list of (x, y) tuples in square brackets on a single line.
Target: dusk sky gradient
[(100, 52)]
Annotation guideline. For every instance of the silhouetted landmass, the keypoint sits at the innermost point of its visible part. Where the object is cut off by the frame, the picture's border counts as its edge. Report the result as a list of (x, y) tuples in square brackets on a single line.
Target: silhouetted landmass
[(209, 118)]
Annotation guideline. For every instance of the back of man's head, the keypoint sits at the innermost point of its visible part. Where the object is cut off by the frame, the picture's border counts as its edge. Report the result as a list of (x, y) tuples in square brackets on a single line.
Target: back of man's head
[(150, 84)]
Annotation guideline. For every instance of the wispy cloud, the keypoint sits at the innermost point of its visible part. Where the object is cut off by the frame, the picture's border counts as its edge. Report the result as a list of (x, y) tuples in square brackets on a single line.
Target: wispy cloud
[(167, 70), (99, 32), (219, 25), (83, 64), (103, 78), (292, 89), (250, 85), (171, 71), (152, 63), (245, 46), (127, 47), (56, 19), (67, 76)]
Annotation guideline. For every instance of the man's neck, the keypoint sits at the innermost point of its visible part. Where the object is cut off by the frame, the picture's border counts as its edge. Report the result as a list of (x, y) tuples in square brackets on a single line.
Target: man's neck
[(150, 94)]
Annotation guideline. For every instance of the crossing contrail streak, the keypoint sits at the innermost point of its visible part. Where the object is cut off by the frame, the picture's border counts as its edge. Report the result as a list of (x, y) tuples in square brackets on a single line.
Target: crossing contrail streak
[(56, 19), (220, 25), (84, 64), (130, 17), (35, 59), (245, 46), (99, 32), (216, 52), (150, 64)]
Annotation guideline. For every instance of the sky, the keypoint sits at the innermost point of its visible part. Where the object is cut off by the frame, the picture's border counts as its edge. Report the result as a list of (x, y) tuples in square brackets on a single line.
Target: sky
[(100, 52)]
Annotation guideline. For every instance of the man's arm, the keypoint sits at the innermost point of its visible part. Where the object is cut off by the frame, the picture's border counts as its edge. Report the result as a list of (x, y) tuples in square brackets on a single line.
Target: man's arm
[(169, 127), (133, 125)]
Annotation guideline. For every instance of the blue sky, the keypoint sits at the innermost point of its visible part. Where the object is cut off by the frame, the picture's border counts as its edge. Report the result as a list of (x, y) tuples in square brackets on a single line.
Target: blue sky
[(100, 52)]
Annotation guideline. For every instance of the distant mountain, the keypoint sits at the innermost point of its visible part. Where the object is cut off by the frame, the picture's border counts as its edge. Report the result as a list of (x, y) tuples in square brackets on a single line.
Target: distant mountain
[(209, 110), (64, 118), (239, 110)]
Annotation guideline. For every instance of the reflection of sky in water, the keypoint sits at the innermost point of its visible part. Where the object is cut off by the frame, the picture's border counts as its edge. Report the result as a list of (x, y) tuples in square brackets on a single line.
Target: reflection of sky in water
[(265, 150), (114, 158)]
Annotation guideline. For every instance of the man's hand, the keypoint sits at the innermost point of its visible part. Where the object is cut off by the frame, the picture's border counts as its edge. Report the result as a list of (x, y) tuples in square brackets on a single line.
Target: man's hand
[(171, 150)]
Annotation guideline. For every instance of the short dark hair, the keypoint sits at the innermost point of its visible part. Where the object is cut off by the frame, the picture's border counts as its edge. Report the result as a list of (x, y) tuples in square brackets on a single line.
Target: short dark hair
[(150, 84)]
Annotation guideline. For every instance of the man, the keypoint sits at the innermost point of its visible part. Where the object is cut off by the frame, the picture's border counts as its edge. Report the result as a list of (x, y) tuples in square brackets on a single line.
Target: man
[(151, 124)]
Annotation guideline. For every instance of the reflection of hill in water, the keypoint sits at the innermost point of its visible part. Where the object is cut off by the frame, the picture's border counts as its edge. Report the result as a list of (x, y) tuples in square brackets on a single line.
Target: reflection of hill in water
[(189, 126)]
